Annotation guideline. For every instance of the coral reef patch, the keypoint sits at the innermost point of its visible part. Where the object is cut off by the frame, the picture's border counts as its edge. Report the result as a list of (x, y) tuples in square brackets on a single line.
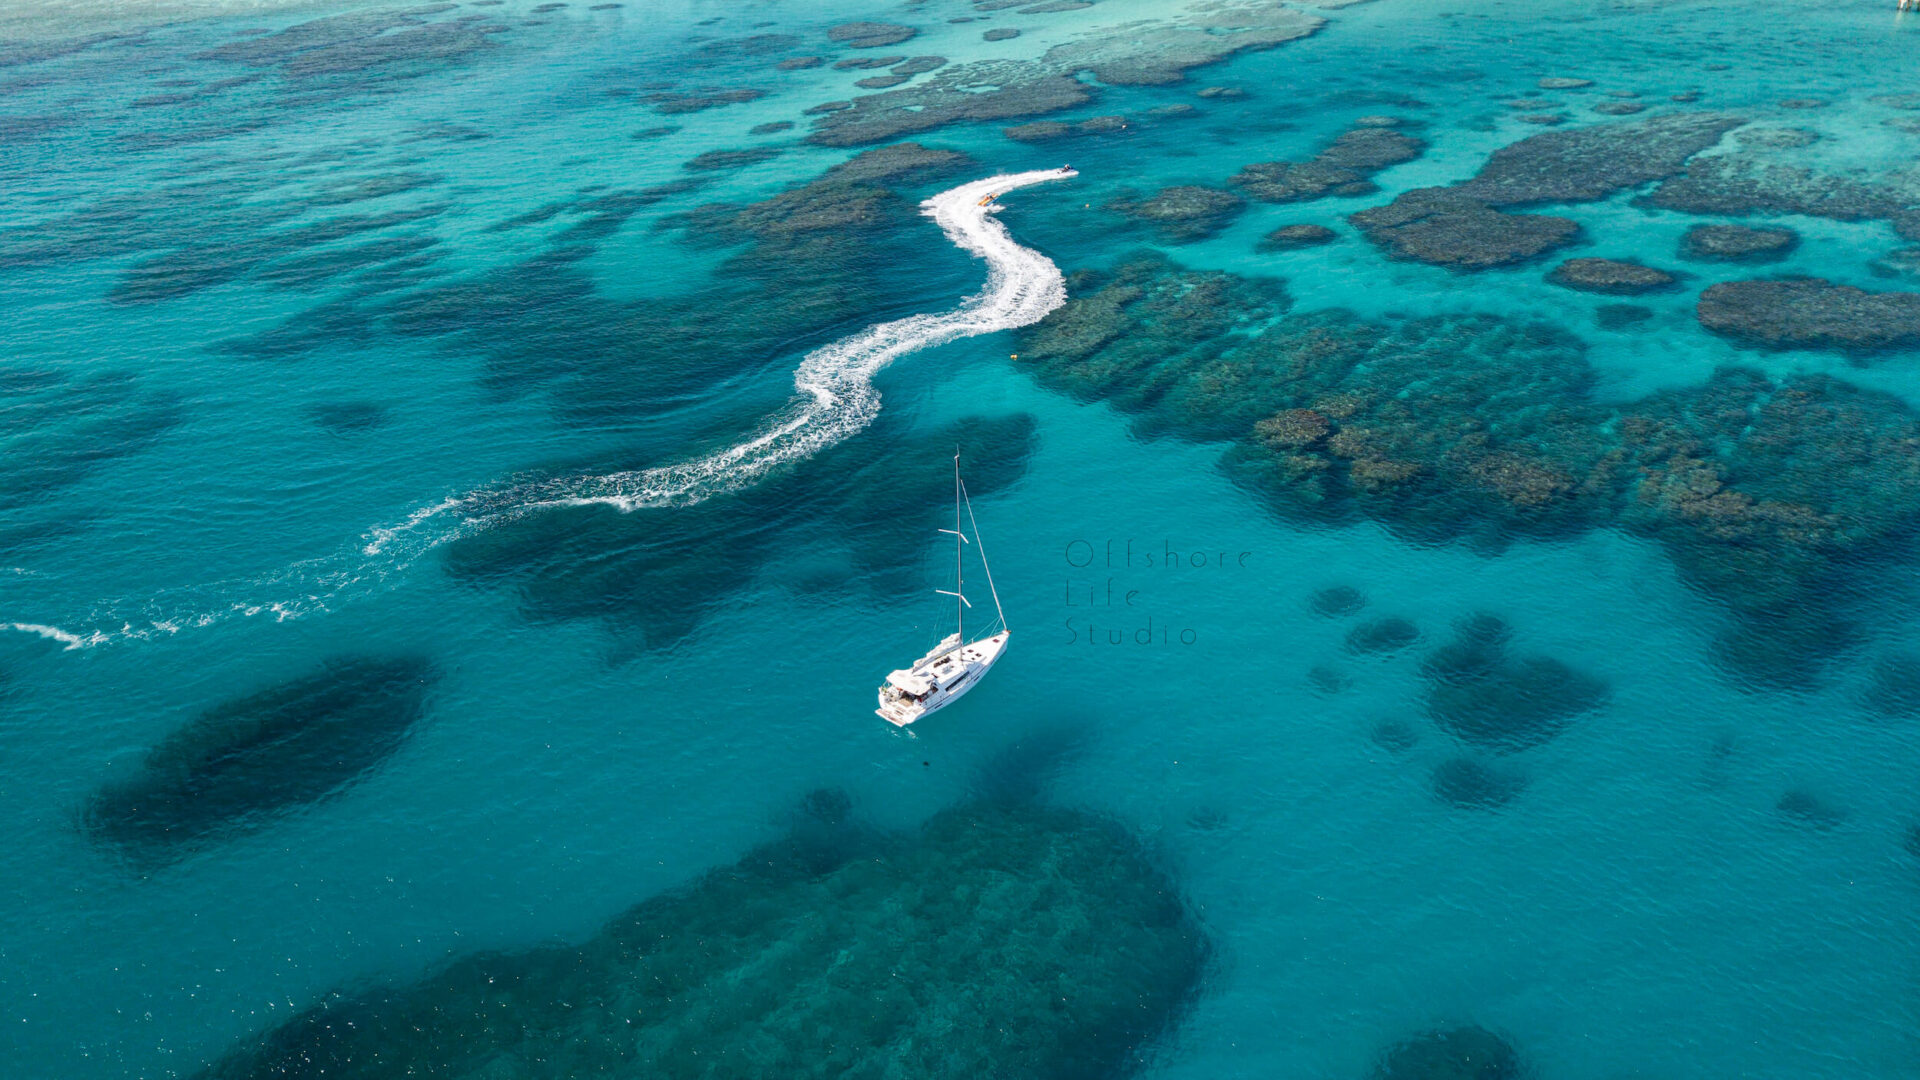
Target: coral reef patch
[(348, 417), (1394, 736), (1469, 784), (1048, 130), (1444, 228), (1463, 225), (653, 574), (1140, 53), (1337, 601), (1621, 316), (1811, 313), (57, 430), (1386, 635), (238, 763), (998, 939), (1765, 493), (1803, 807), (714, 160), (1490, 700), (1737, 243), (1452, 1053), (1345, 167), (1893, 686), (394, 41), (673, 103), (1294, 237), (1742, 184), (1183, 213), (870, 35), (1613, 277)]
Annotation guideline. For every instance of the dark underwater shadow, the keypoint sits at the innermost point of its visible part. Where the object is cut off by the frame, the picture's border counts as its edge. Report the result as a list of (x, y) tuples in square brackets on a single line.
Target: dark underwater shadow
[(56, 430), (655, 573), (241, 764), (1000, 938)]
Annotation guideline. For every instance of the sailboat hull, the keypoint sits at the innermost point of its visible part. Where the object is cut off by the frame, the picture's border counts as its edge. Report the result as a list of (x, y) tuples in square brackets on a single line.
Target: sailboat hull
[(938, 679)]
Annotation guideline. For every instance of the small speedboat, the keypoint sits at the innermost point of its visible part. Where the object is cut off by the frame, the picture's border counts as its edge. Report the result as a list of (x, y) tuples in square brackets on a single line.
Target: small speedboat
[(955, 665)]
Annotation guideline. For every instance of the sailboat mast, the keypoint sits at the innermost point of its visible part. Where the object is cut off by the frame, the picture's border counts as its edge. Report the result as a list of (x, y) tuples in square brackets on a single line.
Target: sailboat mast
[(959, 602)]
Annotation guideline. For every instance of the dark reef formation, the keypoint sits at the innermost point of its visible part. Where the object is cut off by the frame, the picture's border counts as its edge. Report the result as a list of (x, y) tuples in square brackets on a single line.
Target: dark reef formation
[(1803, 807), (1049, 130), (715, 160), (1183, 213), (1621, 316), (1811, 313), (1612, 277), (542, 325), (1464, 225), (1394, 736), (1002, 33), (1337, 601), (919, 65), (1328, 680), (1142, 53), (1590, 163), (753, 45), (1444, 228), (1776, 138), (870, 35), (1766, 494), (1345, 167), (394, 41), (1738, 185), (57, 429), (240, 762), (294, 229), (676, 102), (940, 101), (651, 575), (1893, 688), (1001, 938), (1295, 237), (1387, 635), (1451, 1053), (1737, 243), (1491, 700), (347, 417), (1470, 784)]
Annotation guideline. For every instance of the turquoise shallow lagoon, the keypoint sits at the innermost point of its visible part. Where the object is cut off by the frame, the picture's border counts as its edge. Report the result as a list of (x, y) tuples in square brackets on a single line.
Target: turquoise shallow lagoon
[(299, 700)]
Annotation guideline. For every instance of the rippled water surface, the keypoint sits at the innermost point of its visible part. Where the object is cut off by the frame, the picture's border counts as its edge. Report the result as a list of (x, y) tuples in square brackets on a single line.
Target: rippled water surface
[(409, 659)]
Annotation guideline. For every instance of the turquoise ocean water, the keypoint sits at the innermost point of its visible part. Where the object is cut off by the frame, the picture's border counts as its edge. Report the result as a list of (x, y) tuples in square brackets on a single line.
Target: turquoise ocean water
[(256, 329)]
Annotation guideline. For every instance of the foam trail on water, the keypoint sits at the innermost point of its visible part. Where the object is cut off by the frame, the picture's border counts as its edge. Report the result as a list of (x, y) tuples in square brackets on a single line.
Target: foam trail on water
[(835, 395), (834, 398)]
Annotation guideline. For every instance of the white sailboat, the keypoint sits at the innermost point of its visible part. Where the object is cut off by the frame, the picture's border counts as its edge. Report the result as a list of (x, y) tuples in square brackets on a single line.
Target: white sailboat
[(956, 665)]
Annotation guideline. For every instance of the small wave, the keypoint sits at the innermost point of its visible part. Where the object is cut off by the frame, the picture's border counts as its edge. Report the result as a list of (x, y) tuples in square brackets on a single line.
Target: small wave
[(834, 398), (65, 637)]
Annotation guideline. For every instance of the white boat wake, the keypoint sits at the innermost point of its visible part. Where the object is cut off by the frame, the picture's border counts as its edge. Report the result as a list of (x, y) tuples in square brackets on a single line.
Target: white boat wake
[(834, 399)]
